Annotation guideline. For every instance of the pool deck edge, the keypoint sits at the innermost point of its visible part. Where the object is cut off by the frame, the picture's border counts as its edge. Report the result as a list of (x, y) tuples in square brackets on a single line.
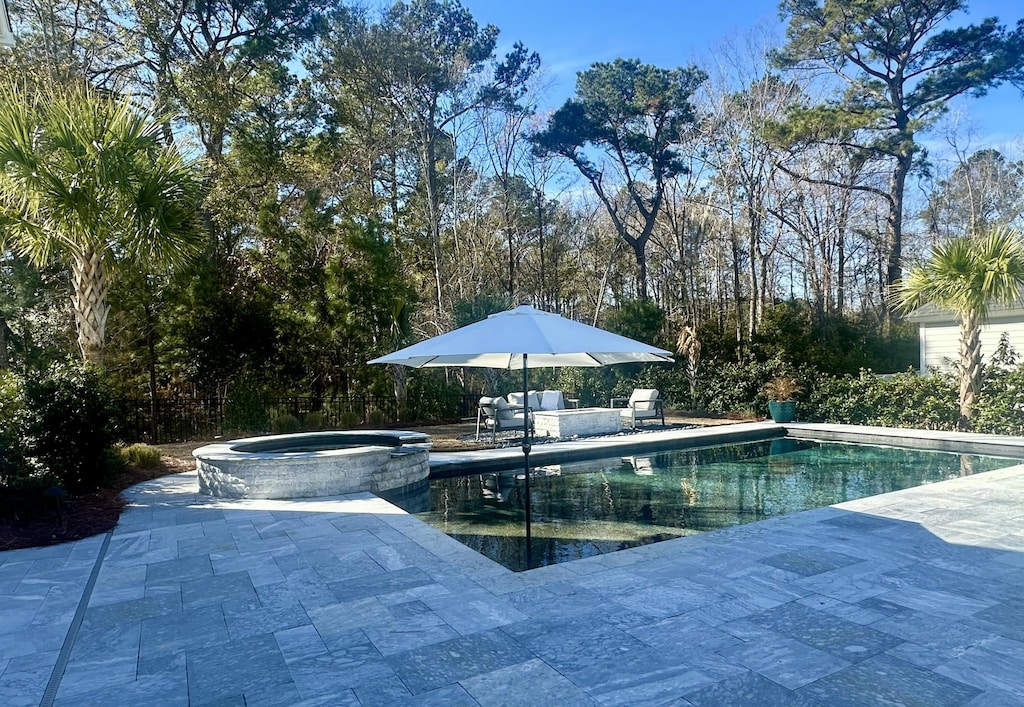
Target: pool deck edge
[(457, 463)]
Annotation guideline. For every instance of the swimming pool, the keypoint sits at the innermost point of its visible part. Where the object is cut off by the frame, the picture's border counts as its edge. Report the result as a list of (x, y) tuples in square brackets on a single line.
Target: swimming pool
[(598, 506)]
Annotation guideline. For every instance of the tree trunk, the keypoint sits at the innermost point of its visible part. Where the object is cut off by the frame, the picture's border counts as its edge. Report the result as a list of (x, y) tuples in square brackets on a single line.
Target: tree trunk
[(970, 366), (604, 281), (89, 298), (399, 380), (737, 299), (506, 216), (545, 300), (753, 251), (841, 270), (640, 251), (894, 221), (429, 156), (393, 196)]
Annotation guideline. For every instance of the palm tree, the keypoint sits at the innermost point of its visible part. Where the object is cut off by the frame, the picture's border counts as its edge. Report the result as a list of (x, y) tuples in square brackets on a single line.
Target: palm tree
[(85, 181), (967, 276)]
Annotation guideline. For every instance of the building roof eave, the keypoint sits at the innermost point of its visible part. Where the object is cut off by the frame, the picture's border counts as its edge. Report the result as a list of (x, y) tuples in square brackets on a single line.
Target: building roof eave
[(930, 314)]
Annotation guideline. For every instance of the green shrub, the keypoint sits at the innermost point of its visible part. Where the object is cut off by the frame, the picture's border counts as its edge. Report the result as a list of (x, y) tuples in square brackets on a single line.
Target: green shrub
[(141, 456), (314, 421), (727, 387), (375, 417), (69, 429), (902, 400), (25, 496), (13, 464), (244, 410), (1000, 407), (285, 424), (430, 398), (116, 461), (592, 386), (349, 419)]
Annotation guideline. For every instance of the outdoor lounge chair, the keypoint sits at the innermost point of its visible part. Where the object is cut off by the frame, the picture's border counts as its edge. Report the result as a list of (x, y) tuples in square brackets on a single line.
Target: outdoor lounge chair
[(643, 404), (495, 413)]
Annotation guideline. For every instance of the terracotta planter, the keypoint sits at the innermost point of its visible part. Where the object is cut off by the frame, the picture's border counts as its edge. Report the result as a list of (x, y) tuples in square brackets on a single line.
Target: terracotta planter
[(782, 410)]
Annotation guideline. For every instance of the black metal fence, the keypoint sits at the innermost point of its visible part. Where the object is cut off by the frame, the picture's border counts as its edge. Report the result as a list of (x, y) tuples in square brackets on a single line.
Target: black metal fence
[(185, 419)]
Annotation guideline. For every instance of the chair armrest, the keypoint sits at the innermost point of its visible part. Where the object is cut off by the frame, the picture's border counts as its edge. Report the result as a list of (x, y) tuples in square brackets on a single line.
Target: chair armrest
[(611, 403)]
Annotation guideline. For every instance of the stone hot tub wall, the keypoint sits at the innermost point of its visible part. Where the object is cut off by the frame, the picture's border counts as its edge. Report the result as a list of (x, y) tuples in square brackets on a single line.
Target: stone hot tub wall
[(383, 460)]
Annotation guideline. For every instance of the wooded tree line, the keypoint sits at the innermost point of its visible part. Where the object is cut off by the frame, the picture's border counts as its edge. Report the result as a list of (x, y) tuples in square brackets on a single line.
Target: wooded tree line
[(374, 177)]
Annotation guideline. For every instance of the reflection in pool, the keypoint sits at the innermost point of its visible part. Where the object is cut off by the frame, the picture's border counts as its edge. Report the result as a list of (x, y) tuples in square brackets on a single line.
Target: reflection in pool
[(599, 506)]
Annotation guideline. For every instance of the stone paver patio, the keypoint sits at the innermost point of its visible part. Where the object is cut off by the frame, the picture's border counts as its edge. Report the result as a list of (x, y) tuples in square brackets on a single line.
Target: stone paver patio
[(913, 597)]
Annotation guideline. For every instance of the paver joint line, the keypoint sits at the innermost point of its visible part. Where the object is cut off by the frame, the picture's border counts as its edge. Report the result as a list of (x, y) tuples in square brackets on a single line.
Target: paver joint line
[(50, 693)]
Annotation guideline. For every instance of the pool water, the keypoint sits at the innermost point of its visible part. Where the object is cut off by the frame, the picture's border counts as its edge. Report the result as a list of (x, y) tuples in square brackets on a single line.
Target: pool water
[(600, 506)]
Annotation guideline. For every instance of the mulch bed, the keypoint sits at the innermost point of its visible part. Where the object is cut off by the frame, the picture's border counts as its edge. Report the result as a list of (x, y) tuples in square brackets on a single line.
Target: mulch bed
[(80, 516)]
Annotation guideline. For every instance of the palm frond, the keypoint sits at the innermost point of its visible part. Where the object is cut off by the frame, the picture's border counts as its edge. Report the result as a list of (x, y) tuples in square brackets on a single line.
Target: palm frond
[(966, 275)]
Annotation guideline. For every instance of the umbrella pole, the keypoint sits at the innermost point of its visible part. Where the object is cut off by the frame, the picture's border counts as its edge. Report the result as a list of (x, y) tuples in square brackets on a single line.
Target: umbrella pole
[(526, 459)]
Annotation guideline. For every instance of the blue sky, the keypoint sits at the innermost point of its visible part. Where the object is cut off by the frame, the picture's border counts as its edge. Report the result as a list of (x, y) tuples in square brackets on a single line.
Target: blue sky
[(570, 35)]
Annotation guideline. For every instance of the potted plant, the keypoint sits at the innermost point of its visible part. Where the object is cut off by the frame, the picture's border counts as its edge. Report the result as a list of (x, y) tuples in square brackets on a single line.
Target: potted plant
[(780, 392)]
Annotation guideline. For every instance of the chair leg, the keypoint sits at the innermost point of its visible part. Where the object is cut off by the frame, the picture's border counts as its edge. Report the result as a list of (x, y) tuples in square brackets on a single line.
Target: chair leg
[(478, 411)]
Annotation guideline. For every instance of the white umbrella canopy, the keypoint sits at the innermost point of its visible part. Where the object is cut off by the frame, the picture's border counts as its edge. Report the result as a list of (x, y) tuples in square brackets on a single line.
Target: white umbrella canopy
[(546, 339)]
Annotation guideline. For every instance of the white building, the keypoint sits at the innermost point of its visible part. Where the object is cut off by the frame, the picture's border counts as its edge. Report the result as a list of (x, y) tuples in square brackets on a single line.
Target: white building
[(940, 334)]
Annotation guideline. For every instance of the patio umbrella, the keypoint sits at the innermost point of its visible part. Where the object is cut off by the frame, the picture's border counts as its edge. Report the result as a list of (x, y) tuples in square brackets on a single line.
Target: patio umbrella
[(524, 338)]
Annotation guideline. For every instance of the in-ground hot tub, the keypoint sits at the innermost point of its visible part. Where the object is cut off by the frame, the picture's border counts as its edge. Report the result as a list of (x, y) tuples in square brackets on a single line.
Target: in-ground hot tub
[(313, 464)]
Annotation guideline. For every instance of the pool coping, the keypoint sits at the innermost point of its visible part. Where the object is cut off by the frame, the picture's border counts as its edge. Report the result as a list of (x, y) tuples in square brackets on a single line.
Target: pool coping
[(443, 464)]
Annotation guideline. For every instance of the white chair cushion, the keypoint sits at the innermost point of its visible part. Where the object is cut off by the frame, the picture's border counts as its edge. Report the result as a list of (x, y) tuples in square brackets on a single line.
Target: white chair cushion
[(643, 399), (552, 400), (517, 399)]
